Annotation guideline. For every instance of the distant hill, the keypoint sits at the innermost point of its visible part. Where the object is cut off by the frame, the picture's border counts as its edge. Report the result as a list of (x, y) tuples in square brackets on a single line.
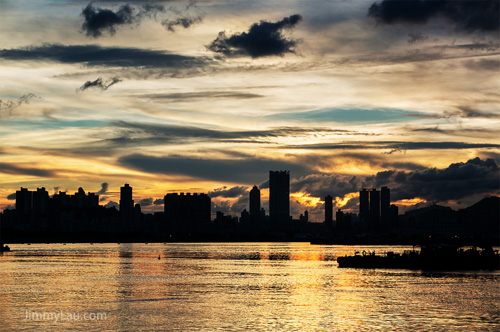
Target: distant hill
[(482, 217)]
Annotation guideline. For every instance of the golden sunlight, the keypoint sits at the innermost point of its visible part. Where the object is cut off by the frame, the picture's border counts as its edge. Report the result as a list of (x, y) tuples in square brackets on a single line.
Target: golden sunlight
[(343, 201)]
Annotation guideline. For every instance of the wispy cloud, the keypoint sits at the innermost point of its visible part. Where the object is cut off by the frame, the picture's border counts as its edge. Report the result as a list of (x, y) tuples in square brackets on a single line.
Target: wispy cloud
[(95, 55), (99, 83), (9, 168)]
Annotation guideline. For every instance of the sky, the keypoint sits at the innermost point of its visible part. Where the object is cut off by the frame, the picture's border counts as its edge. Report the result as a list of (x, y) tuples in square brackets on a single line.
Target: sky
[(209, 96)]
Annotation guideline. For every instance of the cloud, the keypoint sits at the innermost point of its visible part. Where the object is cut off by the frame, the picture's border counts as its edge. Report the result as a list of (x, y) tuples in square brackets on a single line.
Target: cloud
[(17, 170), (249, 170), (483, 64), (98, 20), (7, 107), (470, 112), (228, 193), (465, 15), (95, 55), (139, 134), (262, 39), (459, 181), (112, 204), (146, 202), (189, 96), (184, 22), (11, 196), (395, 145), (103, 190), (158, 201), (417, 38), (99, 84), (321, 185)]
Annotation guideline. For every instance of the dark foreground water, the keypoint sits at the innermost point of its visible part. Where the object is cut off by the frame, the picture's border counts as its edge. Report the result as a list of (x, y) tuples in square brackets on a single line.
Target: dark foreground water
[(232, 287)]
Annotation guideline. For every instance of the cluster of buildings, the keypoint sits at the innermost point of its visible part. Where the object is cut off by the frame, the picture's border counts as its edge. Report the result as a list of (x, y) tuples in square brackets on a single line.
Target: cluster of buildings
[(186, 215)]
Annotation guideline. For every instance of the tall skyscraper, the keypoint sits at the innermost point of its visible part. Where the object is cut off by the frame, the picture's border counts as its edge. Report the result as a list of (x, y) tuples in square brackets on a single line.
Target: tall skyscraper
[(329, 212), (364, 207), (254, 201), (24, 202), (126, 206), (279, 200), (385, 207), (40, 201), (374, 223)]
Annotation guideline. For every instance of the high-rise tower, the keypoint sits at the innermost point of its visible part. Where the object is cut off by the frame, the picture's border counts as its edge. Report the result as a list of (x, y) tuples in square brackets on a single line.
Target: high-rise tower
[(329, 212), (279, 200), (385, 208), (126, 206)]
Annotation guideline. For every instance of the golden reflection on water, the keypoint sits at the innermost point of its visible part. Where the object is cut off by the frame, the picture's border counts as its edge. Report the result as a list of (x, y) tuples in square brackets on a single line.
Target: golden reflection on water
[(236, 286)]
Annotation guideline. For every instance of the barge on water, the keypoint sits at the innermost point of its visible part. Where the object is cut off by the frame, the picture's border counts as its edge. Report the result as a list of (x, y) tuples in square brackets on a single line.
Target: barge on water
[(431, 257)]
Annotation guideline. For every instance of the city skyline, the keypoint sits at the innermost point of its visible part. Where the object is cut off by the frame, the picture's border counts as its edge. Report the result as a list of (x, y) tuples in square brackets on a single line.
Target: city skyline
[(186, 96)]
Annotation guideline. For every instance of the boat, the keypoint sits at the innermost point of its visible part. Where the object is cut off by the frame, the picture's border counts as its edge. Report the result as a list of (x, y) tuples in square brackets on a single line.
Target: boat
[(4, 248), (430, 257)]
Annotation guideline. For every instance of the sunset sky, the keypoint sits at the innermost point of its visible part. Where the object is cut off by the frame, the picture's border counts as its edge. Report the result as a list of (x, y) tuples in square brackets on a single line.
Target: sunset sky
[(209, 96)]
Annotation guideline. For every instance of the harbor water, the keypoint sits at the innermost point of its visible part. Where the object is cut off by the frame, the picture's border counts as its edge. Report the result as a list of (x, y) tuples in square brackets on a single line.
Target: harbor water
[(233, 287)]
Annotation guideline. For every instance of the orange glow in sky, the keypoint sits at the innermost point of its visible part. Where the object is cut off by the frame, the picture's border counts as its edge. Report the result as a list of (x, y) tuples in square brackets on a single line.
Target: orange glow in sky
[(341, 202), (410, 202)]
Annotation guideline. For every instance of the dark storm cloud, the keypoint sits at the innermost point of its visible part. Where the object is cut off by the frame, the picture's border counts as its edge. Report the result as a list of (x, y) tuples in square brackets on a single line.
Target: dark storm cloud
[(465, 15), (7, 107), (321, 185), (103, 190), (250, 170), (13, 169), (398, 146), (95, 55), (98, 20), (11, 197), (146, 202), (262, 39), (158, 201), (99, 84), (228, 192), (457, 181)]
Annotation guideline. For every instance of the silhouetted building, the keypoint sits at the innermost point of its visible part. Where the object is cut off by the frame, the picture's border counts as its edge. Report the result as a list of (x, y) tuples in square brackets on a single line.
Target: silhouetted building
[(385, 208), (339, 215), (40, 202), (279, 200), (364, 207), (254, 205), (24, 202), (304, 218), (126, 207), (374, 222), (394, 217), (187, 214), (329, 212)]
